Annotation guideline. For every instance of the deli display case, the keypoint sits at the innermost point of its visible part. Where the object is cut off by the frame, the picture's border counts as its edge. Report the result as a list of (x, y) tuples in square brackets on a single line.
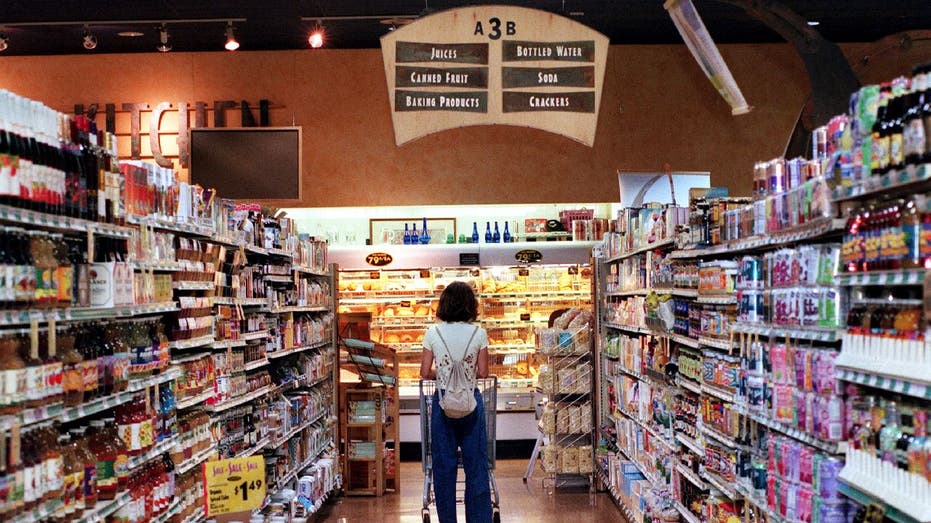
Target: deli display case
[(519, 286)]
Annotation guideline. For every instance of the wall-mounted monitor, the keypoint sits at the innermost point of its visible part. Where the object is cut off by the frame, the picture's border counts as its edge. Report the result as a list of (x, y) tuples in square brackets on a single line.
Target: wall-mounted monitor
[(248, 163)]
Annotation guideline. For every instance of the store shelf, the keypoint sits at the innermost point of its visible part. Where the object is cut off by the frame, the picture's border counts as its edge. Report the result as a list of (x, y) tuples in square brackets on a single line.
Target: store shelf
[(169, 375), (310, 270), (635, 292), (902, 181), (277, 278), (898, 385), (41, 513), (184, 228), (197, 516), (58, 223), (275, 443), (690, 443), (628, 328), (243, 302), (512, 349), (157, 450), (684, 340), (229, 344), (537, 295), (653, 432), (688, 384), (193, 285), (257, 364), (290, 476), (300, 308), (823, 334), (173, 509), (830, 447), (882, 278), (163, 266), (194, 400), (811, 230), (861, 495), (379, 297), (103, 509), (295, 350), (718, 392), (26, 316), (652, 478), (255, 249), (192, 343), (405, 321), (690, 476), (726, 487), (716, 343), (670, 242), (754, 499), (723, 439), (280, 252), (235, 402), (681, 293), (258, 447), (196, 460), (512, 322), (257, 335), (686, 514), (717, 299)]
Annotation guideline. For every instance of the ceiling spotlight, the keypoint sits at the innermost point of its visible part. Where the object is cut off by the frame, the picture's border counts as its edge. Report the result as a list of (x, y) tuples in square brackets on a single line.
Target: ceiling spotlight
[(4, 42), (231, 43), (316, 38), (814, 23), (89, 41), (163, 45)]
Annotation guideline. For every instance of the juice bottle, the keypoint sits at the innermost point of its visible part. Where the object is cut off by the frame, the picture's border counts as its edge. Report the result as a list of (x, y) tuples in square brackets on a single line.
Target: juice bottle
[(72, 371), (912, 232), (121, 463), (101, 446), (12, 376), (30, 465), (34, 369), (74, 475), (54, 368), (917, 459), (6, 487), (88, 485), (54, 464)]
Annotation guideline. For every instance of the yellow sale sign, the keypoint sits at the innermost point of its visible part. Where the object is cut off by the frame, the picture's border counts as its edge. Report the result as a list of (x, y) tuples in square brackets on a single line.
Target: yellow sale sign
[(234, 485)]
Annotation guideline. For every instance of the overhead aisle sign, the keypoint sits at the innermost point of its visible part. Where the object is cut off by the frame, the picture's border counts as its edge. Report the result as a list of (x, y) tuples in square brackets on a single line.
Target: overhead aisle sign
[(489, 65)]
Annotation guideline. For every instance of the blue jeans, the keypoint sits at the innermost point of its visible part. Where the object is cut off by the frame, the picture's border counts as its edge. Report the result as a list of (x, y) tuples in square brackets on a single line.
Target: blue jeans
[(448, 435)]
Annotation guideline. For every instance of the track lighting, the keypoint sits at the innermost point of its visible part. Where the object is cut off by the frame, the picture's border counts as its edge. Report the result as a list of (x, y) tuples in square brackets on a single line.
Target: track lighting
[(89, 41), (163, 45), (4, 42), (231, 43), (316, 37)]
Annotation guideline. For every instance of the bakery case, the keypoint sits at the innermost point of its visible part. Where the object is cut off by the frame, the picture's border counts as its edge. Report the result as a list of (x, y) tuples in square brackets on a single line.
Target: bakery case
[(519, 285)]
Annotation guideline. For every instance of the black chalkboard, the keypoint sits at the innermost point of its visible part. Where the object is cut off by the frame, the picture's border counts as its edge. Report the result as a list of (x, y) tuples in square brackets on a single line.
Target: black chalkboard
[(248, 163)]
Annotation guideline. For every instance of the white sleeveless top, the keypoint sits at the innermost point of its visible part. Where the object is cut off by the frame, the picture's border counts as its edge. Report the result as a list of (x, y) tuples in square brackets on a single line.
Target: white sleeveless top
[(456, 335)]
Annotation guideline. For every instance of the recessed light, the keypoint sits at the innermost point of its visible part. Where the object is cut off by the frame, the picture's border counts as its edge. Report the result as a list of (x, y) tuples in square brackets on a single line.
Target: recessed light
[(130, 34), (813, 23)]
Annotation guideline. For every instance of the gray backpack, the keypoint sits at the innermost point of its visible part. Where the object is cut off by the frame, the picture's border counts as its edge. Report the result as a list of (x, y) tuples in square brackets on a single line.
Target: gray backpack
[(458, 400)]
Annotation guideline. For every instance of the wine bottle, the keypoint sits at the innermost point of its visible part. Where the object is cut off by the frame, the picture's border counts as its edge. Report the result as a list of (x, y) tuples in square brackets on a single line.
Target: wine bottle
[(424, 234), (414, 234), (496, 237), (507, 234), (474, 232), (487, 232), (407, 235)]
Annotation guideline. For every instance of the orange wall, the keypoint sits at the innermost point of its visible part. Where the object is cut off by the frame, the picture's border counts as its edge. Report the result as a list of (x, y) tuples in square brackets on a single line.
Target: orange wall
[(657, 107)]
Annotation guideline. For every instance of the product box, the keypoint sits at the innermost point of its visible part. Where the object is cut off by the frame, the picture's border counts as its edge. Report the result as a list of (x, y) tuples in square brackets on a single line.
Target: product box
[(534, 225), (111, 284)]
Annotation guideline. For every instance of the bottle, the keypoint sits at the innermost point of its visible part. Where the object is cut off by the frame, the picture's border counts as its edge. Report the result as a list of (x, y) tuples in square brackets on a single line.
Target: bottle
[(414, 235), (496, 236), (914, 141), (106, 454), (89, 459), (925, 112), (54, 368), (30, 466), (911, 229), (54, 464), (879, 159), (407, 235), (474, 232), (488, 237), (507, 234), (896, 149), (73, 475), (424, 233), (35, 381), (889, 434), (13, 376)]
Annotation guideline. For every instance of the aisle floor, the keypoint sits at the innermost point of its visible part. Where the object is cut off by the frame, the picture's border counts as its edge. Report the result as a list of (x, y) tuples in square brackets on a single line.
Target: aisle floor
[(520, 502)]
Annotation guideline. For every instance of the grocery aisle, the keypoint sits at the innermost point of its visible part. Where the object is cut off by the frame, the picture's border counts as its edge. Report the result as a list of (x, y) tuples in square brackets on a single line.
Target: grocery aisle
[(524, 503)]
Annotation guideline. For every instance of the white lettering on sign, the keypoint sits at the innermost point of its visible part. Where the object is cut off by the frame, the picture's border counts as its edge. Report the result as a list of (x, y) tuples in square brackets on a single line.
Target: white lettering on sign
[(419, 101), (423, 78), (533, 52), (459, 102), (549, 101), (442, 54), (547, 78), (457, 78), (568, 51)]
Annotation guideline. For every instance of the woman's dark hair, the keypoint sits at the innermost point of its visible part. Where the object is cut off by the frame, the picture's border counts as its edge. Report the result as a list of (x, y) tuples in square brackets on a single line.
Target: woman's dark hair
[(457, 303)]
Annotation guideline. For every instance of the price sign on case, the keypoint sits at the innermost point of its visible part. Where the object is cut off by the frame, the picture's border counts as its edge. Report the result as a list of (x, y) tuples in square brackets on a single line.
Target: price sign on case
[(234, 485)]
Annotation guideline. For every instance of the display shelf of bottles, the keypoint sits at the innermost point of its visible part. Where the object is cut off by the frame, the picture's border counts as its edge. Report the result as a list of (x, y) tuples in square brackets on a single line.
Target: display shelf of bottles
[(41, 513), (192, 343), (686, 513), (902, 181), (193, 400), (830, 447), (688, 384), (193, 285), (725, 487), (258, 447), (690, 443), (170, 513), (257, 364), (693, 478), (808, 231), (235, 402), (300, 308), (722, 394), (103, 509), (669, 242), (716, 343), (137, 385), (813, 333), (862, 497), (196, 459), (634, 292), (157, 450), (163, 266), (882, 278), (191, 229), (294, 350), (896, 385), (25, 316), (724, 439), (60, 223), (279, 252), (277, 278)]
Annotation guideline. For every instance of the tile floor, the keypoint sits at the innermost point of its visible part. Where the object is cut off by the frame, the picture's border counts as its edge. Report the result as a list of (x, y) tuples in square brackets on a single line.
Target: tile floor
[(520, 502)]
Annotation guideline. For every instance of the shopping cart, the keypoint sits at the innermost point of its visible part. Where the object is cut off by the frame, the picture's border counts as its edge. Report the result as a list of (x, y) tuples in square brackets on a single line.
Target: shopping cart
[(488, 387)]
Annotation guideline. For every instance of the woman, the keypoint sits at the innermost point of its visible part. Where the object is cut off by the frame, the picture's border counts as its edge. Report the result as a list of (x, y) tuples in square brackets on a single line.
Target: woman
[(452, 339)]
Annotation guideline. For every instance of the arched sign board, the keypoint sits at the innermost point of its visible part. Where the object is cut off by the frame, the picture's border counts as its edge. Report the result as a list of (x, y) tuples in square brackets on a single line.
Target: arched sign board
[(488, 65)]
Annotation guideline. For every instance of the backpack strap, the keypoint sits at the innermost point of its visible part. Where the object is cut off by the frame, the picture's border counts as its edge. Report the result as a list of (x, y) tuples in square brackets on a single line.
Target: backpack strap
[(464, 351)]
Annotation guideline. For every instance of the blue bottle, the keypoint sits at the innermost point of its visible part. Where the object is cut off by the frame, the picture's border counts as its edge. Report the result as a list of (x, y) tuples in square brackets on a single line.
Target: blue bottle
[(424, 234), (415, 236), (496, 237), (507, 234), (407, 235), (487, 232), (474, 232)]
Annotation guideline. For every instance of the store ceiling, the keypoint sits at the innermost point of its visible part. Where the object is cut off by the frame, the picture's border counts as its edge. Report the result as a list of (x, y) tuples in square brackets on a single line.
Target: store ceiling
[(277, 24)]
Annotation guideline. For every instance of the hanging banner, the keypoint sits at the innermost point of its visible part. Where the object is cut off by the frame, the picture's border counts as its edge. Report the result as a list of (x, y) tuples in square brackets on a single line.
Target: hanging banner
[(234, 485), (490, 65)]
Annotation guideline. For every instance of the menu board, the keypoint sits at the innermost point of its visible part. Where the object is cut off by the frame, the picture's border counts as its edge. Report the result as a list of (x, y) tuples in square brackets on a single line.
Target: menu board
[(489, 65)]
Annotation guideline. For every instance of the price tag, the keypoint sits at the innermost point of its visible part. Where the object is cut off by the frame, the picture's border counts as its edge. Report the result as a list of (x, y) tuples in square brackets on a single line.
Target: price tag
[(234, 485)]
